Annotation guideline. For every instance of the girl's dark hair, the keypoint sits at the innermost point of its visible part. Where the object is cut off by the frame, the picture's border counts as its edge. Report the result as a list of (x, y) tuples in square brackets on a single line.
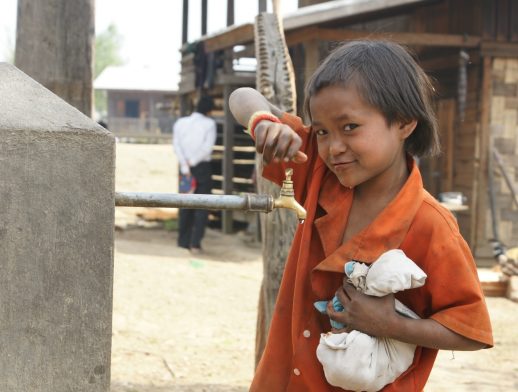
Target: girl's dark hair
[(388, 79)]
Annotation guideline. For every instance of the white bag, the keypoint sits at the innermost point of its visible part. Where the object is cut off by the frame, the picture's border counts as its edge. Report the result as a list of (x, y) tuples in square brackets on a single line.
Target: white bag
[(356, 361)]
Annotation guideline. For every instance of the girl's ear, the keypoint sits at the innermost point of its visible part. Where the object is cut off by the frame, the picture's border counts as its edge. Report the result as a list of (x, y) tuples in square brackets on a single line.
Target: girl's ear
[(406, 129)]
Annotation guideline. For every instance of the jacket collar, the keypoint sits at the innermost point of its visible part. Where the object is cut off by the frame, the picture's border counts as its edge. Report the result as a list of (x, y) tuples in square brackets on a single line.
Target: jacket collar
[(386, 232)]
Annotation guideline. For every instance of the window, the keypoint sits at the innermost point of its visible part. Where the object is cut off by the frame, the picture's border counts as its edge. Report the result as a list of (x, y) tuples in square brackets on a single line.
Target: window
[(132, 108)]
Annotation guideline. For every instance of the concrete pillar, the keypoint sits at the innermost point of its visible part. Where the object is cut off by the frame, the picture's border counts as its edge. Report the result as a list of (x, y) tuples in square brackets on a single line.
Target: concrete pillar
[(56, 242)]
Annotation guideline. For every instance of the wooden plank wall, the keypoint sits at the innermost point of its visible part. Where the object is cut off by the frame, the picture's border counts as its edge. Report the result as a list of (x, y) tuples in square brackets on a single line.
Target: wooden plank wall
[(456, 168), (504, 132), (467, 155)]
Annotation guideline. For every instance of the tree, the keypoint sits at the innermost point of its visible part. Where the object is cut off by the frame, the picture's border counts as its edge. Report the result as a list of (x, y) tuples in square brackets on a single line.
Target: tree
[(54, 45), (107, 52), (107, 47)]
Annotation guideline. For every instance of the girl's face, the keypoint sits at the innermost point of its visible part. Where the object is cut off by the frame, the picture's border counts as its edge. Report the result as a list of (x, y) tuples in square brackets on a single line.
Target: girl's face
[(354, 139)]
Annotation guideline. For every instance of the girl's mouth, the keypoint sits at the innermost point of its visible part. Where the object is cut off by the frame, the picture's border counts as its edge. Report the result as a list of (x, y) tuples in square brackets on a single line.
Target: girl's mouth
[(342, 165)]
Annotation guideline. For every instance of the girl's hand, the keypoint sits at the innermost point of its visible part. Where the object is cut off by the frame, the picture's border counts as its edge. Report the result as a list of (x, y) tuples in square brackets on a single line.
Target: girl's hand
[(373, 316), (278, 142)]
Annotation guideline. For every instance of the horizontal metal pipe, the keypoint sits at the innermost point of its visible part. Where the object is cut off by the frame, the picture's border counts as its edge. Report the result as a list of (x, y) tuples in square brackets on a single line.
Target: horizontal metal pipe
[(247, 202)]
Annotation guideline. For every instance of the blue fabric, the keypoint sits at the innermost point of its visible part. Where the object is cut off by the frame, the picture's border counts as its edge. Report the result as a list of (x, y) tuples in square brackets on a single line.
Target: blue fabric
[(337, 305), (349, 268), (322, 305)]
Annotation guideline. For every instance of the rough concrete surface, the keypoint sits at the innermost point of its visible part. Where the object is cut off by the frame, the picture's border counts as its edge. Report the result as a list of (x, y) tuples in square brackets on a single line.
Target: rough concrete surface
[(56, 242)]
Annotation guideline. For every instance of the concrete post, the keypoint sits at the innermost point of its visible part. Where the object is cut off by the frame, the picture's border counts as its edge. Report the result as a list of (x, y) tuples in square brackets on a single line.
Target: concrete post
[(56, 242)]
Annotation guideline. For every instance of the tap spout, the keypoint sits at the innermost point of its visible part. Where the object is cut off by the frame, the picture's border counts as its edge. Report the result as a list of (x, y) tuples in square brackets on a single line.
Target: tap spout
[(287, 198), (292, 204)]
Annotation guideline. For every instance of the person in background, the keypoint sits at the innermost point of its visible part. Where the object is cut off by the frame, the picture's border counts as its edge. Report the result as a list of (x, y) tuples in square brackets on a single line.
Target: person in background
[(193, 139)]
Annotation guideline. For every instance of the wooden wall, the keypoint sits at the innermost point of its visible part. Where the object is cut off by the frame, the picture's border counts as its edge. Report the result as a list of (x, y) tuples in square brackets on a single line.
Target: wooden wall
[(504, 133), (456, 169)]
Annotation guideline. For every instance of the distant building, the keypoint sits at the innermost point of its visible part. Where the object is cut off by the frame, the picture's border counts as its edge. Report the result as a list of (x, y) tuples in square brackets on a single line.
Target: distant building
[(141, 100)]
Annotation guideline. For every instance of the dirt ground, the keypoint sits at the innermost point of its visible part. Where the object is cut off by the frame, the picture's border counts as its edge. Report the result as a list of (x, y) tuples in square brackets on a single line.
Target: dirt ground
[(184, 323)]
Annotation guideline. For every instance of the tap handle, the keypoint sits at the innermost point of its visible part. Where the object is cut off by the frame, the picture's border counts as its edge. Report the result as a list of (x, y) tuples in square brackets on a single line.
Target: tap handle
[(287, 184), (288, 173)]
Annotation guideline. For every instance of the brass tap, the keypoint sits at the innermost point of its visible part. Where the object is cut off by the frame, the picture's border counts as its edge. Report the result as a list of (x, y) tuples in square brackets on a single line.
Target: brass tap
[(287, 197)]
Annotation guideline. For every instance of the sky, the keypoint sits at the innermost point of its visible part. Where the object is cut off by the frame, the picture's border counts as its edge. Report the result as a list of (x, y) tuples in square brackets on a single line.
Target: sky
[(151, 29)]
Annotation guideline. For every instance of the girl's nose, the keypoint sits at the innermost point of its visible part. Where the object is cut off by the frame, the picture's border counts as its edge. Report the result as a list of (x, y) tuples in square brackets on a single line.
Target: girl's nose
[(337, 146)]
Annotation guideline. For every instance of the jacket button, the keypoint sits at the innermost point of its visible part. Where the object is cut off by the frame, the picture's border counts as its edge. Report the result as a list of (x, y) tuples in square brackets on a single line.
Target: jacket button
[(306, 333), (296, 371)]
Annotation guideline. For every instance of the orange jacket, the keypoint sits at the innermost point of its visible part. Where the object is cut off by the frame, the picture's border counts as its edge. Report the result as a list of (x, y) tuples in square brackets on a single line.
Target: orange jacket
[(414, 222)]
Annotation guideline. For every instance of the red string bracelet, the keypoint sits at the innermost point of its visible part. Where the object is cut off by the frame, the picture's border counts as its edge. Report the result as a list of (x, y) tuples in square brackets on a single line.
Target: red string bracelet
[(257, 117)]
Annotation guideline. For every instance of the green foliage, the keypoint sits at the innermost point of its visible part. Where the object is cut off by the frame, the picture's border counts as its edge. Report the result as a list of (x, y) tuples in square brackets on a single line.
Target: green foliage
[(107, 52), (107, 47)]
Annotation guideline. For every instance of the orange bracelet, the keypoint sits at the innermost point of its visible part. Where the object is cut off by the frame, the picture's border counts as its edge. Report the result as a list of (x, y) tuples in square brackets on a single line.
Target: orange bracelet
[(257, 117)]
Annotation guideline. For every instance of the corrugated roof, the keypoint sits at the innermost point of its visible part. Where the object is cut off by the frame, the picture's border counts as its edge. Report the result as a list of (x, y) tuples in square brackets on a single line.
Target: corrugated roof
[(139, 78)]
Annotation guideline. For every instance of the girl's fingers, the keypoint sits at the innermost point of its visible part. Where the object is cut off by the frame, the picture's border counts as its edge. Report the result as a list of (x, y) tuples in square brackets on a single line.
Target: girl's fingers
[(300, 157), (292, 149), (261, 133), (343, 297), (270, 144), (288, 144), (278, 142), (284, 141), (330, 309), (340, 317), (350, 291)]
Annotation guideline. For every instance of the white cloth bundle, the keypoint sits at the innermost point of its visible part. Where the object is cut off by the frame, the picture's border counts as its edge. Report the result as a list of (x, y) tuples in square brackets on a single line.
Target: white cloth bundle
[(356, 361)]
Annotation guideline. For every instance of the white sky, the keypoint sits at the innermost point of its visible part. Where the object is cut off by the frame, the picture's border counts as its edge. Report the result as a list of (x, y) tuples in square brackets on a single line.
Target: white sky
[(151, 29)]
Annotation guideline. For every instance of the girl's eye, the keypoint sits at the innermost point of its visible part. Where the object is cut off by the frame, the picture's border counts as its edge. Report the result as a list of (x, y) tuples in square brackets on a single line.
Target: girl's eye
[(350, 127), (320, 132)]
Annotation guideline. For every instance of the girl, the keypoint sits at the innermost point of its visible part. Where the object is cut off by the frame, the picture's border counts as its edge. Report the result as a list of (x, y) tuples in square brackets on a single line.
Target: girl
[(369, 107)]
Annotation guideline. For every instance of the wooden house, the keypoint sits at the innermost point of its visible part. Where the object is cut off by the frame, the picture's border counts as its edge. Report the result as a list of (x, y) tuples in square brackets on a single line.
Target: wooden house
[(468, 47), (140, 101)]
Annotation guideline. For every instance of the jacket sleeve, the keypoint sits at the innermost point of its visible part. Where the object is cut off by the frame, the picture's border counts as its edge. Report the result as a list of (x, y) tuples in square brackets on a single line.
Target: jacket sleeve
[(452, 294), (459, 302)]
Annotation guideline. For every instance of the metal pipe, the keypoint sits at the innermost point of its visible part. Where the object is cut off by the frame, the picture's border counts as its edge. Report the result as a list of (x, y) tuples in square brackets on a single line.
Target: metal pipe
[(247, 202)]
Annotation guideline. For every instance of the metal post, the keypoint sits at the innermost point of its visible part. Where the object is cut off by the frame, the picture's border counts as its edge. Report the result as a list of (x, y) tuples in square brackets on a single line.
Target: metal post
[(262, 6), (203, 17), (228, 143), (230, 12), (185, 21)]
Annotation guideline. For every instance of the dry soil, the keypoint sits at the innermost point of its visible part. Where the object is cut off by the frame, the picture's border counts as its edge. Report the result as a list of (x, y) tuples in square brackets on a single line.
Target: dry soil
[(184, 323)]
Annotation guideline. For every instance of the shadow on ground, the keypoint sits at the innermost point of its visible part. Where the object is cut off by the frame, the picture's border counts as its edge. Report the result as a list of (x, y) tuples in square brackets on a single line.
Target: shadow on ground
[(158, 242)]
